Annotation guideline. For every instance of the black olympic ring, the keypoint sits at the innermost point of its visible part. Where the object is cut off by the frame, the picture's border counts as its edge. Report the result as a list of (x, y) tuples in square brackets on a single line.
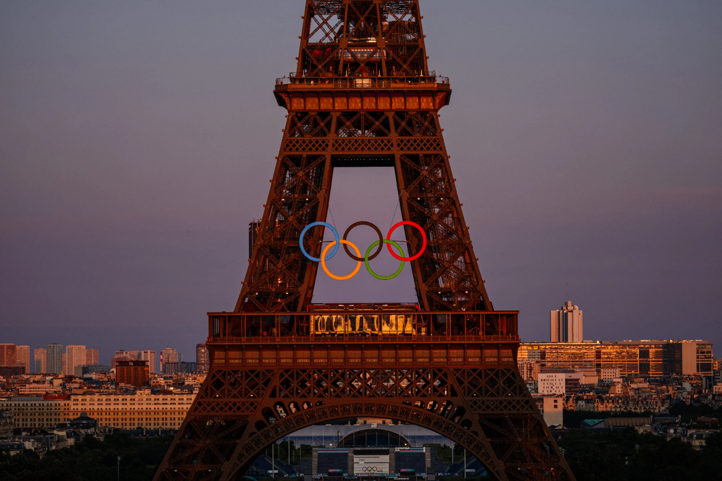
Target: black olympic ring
[(369, 224)]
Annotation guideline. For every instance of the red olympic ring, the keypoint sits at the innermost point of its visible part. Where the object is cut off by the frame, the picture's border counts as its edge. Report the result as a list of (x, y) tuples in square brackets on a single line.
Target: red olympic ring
[(423, 246)]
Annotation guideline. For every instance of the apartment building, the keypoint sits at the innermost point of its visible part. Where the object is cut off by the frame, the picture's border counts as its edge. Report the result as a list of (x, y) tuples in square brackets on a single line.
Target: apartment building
[(36, 411), (129, 411), (645, 358), (123, 411), (551, 406)]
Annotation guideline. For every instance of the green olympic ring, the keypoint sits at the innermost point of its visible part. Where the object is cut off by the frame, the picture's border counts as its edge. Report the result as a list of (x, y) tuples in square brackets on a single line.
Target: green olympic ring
[(335, 244), (368, 267)]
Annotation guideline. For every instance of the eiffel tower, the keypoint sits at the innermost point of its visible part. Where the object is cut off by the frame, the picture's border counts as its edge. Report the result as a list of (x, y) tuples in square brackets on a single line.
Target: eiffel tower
[(362, 95)]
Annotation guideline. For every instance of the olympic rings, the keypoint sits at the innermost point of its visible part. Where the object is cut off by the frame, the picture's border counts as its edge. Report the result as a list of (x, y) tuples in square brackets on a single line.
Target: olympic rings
[(367, 259), (323, 261), (380, 242), (303, 233), (423, 246)]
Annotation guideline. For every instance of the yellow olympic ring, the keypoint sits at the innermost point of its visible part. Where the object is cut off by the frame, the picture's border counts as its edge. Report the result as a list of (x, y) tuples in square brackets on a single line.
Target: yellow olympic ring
[(338, 278)]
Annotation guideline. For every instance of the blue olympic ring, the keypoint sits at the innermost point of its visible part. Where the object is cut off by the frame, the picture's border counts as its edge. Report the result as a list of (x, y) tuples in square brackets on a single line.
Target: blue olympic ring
[(335, 234)]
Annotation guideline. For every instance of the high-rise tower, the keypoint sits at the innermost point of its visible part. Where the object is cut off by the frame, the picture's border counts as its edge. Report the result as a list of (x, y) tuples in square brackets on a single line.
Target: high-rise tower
[(75, 356), (362, 95), (40, 357), (149, 355), (567, 324), (8, 354), (54, 353), (202, 361), (24, 358)]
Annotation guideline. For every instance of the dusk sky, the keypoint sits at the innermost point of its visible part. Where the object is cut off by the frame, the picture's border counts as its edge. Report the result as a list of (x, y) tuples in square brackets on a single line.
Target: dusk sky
[(137, 139)]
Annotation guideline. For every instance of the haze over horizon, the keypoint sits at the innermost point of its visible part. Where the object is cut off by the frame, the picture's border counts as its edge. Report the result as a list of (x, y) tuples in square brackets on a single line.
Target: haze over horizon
[(137, 140)]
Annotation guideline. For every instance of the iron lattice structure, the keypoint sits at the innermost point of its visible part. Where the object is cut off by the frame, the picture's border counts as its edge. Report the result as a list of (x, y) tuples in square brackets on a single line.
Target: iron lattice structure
[(362, 95)]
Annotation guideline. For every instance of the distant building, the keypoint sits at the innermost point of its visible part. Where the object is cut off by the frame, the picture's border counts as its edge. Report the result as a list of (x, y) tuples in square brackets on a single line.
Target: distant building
[(81, 371), (610, 374), (40, 359), (54, 358), (690, 357), (529, 369), (92, 357), (38, 389), (551, 383), (551, 406), (8, 355), (140, 409), (135, 354), (124, 355), (13, 356), (10, 371), (562, 382), (75, 356), (7, 425), (35, 411), (149, 356), (179, 368), (23, 353), (170, 355), (202, 359), (132, 373), (566, 324), (83, 422), (646, 358), (380, 451), (64, 364), (115, 359)]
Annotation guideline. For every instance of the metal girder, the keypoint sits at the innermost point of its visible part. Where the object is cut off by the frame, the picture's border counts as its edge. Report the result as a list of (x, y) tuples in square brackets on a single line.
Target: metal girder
[(239, 412), (280, 278), (362, 95)]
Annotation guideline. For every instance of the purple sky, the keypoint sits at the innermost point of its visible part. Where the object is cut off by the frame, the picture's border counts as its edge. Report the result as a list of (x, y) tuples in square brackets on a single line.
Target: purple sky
[(137, 139)]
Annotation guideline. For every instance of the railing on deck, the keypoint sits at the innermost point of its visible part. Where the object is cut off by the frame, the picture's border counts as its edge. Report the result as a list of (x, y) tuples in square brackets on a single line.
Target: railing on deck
[(363, 82), (363, 327)]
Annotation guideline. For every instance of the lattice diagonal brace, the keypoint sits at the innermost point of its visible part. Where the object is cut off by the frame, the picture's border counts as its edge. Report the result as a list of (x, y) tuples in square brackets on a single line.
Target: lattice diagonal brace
[(362, 95)]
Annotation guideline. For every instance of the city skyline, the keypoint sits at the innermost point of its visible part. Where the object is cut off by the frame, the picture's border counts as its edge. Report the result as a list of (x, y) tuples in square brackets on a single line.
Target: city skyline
[(152, 111), (176, 355), (74, 355)]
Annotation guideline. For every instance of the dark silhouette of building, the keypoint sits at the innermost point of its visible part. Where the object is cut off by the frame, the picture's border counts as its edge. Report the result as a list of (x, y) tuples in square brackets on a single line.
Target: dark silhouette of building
[(7, 424), (10, 371), (81, 371), (83, 422), (179, 367)]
